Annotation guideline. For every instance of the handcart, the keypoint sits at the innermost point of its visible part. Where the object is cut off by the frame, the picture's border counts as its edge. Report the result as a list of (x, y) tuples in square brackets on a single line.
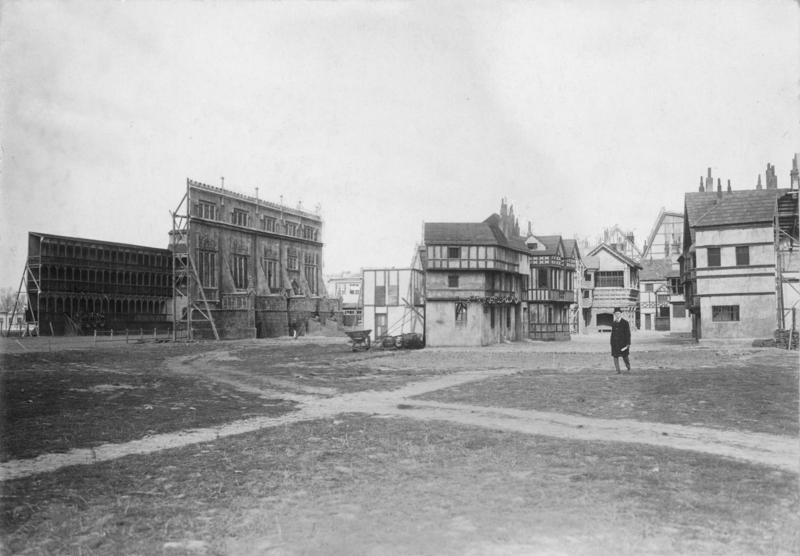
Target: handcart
[(359, 339)]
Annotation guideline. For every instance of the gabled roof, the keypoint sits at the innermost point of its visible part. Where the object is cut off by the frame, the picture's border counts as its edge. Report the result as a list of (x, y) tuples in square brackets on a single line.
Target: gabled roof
[(663, 213), (571, 248), (655, 270), (749, 206), (591, 262), (550, 244), (487, 232), (624, 258)]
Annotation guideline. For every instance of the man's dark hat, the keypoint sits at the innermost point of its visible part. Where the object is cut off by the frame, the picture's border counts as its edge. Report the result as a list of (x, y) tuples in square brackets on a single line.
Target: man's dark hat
[(617, 310)]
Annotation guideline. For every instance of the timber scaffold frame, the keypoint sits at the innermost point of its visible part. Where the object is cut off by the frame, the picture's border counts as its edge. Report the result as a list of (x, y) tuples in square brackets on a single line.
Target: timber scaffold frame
[(787, 242), (185, 278)]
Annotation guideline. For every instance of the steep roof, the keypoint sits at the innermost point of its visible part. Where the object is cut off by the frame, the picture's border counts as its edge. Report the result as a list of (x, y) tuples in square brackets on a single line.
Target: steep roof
[(655, 270), (624, 258), (591, 262), (550, 244), (487, 232), (663, 213), (571, 248), (749, 206)]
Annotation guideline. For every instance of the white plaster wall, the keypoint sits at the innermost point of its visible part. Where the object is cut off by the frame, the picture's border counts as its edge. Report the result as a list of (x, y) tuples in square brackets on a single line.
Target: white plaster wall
[(441, 330), (741, 236), (757, 317)]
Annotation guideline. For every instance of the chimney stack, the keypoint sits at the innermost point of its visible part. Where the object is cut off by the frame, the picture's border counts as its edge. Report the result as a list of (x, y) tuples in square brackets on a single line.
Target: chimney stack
[(701, 189), (729, 186), (772, 179), (758, 185), (709, 182), (719, 187), (794, 175)]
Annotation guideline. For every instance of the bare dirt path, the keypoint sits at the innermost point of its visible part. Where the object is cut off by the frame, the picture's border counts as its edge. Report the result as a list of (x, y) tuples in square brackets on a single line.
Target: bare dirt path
[(315, 403)]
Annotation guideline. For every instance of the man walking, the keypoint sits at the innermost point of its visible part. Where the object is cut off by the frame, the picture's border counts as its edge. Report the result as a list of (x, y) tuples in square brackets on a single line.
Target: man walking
[(620, 340)]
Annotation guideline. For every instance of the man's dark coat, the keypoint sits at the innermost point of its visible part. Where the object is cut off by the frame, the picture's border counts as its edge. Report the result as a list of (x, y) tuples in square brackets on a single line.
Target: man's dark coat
[(620, 337)]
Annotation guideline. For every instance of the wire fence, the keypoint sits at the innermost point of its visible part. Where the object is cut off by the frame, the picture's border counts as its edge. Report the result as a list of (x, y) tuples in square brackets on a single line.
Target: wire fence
[(11, 343)]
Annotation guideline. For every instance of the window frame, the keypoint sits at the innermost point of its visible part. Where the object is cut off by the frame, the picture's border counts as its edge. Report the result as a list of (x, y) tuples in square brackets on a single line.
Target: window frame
[(743, 253), (717, 256), (239, 271), (725, 313)]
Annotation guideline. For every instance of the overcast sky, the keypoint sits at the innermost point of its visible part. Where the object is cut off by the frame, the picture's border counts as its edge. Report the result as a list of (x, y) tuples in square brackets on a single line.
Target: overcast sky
[(387, 114)]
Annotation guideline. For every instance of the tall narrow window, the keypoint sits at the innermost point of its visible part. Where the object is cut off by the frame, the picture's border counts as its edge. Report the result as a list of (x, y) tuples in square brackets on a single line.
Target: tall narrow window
[(380, 289), (291, 259), (743, 255), (239, 270), (207, 268), (714, 256), (310, 270), (272, 274), (461, 314)]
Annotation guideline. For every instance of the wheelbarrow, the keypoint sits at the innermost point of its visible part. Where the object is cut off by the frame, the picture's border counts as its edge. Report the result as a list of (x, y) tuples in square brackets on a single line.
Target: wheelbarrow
[(359, 339)]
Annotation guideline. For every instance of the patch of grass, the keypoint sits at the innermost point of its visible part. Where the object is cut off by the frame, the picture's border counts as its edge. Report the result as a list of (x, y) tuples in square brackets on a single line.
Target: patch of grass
[(760, 395), (72, 399), (357, 485)]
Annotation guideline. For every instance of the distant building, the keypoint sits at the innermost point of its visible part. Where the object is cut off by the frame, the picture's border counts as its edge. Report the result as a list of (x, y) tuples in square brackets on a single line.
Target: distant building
[(661, 303), (665, 240), (622, 242), (76, 285), (393, 302), (552, 287), (611, 280), (249, 268), (572, 251), (476, 277), (347, 288), (730, 247)]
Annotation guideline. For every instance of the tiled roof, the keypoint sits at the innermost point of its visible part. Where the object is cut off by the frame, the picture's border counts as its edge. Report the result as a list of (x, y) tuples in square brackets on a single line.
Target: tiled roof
[(471, 233), (571, 247), (590, 261), (747, 206), (655, 270)]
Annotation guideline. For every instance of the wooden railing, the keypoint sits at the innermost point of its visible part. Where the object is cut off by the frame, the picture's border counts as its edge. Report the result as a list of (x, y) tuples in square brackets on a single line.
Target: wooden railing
[(545, 294)]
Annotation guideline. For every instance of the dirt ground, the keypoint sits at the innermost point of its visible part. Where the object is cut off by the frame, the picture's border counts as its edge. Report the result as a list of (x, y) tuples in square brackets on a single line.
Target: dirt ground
[(304, 447)]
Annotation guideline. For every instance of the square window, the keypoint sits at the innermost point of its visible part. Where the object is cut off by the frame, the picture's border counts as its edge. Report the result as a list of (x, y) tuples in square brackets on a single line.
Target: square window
[(452, 281), (742, 255), (454, 252)]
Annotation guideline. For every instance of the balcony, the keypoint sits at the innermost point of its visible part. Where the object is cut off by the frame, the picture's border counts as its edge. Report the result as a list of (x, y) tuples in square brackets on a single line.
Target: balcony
[(552, 260), (564, 296)]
